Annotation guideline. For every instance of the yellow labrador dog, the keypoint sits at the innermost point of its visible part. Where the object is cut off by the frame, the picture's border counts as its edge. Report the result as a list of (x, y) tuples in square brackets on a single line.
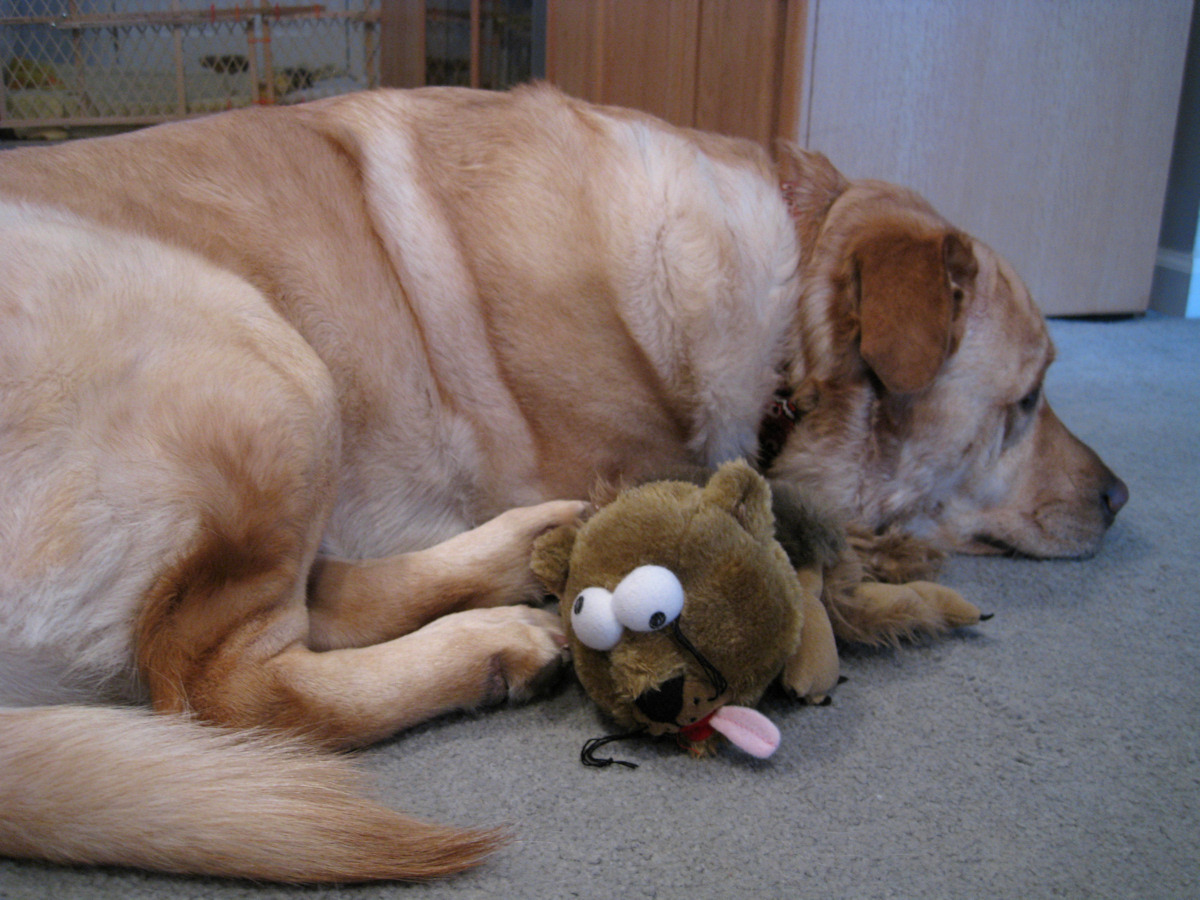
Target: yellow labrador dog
[(286, 394)]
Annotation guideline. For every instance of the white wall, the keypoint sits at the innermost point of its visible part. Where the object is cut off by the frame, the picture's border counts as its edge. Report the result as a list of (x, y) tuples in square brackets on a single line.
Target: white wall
[(1043, 127)]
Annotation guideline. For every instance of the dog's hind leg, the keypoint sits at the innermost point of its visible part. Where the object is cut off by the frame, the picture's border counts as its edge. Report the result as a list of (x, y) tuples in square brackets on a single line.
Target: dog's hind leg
[(237, 656), (224, 632), (357, 603), (167, 415)]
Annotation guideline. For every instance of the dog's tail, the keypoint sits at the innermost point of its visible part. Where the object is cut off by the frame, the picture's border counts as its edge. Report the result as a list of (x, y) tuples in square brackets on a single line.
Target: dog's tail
[(125, 787)]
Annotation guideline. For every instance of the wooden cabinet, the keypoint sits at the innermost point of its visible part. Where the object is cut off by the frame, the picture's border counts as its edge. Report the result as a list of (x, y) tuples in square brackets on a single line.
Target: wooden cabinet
[(732, 66)]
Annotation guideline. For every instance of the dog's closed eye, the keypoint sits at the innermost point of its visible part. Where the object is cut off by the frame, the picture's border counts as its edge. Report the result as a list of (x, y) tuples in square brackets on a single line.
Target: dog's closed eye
[(1029, 402), (1020, 415)]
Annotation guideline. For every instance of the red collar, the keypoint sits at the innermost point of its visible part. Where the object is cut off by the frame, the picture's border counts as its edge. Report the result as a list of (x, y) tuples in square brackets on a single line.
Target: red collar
[(789, 190), (777, 424)]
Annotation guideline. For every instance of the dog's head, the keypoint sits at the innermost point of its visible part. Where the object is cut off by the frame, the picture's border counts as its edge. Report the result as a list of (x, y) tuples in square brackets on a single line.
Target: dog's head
[(919, 388)]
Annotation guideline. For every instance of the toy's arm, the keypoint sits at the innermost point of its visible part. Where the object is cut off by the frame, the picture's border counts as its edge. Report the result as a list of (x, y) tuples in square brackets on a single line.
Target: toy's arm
[(812, 670)]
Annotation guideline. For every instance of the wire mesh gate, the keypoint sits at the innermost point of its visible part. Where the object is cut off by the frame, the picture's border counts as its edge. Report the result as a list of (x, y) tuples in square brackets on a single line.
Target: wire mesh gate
[(103, 62), (479, 43)]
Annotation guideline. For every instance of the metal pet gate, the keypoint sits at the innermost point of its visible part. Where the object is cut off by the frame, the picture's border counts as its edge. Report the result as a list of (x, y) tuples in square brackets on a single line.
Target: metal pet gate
[(73, 63)]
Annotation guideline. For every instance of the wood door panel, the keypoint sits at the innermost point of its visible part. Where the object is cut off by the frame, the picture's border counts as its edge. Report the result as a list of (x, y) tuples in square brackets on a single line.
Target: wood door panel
[(738, 68), (732, 66)]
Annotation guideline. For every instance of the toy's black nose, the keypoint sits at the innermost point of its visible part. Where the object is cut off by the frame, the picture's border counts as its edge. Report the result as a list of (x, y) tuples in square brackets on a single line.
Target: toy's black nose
[(663, 703)]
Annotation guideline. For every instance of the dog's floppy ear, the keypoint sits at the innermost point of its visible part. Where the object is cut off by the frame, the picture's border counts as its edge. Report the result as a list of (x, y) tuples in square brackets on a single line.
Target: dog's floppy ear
[(551, 559), (911, 288)]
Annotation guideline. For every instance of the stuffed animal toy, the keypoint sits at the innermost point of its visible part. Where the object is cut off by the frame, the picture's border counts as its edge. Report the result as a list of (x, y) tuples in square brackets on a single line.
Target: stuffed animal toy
[(681, 606)]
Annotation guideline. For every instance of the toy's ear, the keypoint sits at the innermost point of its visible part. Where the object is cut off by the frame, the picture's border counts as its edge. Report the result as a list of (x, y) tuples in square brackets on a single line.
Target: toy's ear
[(744, 494), (551, 557)]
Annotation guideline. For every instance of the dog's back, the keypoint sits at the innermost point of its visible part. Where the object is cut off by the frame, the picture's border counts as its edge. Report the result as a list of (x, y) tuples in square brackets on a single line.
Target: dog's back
[(576, 289)]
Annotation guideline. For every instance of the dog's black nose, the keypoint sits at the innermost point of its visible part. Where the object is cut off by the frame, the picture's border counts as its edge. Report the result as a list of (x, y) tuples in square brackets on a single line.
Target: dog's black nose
[(1114, 496), (663, 703)]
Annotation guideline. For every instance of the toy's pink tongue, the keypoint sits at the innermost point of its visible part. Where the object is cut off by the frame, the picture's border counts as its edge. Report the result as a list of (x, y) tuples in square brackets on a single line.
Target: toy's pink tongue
[(746, 728)]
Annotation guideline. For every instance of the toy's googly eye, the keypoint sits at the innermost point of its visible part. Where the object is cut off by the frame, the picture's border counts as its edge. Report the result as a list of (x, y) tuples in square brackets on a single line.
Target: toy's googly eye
[(648, 598), (593, 621)]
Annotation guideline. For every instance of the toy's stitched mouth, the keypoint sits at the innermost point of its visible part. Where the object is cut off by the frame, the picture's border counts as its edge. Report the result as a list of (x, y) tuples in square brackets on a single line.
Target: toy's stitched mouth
[(715, 678), (663, 703)]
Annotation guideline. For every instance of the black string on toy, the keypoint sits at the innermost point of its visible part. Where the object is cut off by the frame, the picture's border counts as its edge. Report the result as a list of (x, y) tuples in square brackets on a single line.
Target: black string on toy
[(715, 678), (587, 755)]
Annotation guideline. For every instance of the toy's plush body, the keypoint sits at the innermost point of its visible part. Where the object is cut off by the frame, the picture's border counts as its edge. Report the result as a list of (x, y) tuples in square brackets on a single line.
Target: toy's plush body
[(681, 605)]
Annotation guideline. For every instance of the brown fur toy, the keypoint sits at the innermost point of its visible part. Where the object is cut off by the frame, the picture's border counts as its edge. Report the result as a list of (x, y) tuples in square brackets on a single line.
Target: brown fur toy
[(682, 606)]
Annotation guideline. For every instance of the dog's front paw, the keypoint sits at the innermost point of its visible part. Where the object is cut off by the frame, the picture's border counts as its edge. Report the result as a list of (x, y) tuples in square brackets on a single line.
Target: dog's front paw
[(500, 550), (525, 652), (888, 612), (951, 608)]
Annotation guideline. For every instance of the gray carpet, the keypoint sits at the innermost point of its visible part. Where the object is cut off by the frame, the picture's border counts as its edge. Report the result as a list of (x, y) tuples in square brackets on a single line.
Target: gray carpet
[(1052, 752)]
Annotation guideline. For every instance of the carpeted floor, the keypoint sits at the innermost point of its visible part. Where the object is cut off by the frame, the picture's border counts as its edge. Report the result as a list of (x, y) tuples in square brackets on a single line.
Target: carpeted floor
[(1052, 752)]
